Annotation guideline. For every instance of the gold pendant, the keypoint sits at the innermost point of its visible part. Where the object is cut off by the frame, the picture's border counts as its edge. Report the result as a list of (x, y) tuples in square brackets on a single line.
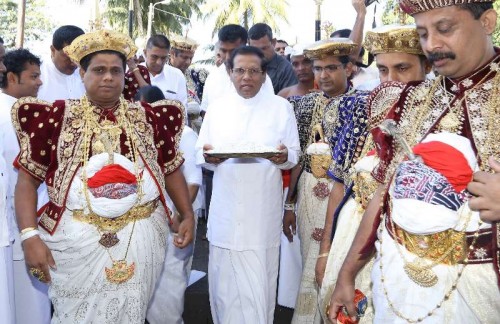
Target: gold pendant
[(120, 272), (450, 122), (418, 272)]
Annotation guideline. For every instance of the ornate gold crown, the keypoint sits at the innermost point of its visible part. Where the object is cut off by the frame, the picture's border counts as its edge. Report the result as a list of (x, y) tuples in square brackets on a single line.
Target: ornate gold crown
[(100, 40), (183, 43), (330, 47), (412, 7), (393, 38)]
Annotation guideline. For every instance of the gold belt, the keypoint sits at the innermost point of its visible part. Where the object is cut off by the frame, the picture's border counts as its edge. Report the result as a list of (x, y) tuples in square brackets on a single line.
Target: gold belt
[(446, 247), (115, 224)]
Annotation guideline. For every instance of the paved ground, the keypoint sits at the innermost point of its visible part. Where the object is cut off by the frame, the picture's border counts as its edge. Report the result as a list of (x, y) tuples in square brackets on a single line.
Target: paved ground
[(197, 307)]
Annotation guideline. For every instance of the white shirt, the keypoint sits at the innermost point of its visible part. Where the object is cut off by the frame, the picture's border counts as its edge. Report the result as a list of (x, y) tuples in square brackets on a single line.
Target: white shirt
[(57, 85), (219, 83), (10, 150), (246, 206), (190, 170), (172, 82), (5, 238)]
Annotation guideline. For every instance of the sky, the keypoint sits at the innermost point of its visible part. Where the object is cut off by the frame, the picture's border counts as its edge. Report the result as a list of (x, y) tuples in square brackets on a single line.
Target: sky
[(301, 17)]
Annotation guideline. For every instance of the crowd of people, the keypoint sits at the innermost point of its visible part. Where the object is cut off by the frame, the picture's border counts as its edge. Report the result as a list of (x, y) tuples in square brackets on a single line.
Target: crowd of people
[(346, 192)]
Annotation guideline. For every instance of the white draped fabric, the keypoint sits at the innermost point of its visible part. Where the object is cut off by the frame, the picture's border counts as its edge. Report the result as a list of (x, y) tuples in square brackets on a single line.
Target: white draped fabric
[(347, 225), (476, 287), (242, 285), (80, 291), (290, 269)]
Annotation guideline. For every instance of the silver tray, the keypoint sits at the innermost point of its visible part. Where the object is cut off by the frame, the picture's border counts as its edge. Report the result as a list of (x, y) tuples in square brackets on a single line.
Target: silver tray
[(240, 155)]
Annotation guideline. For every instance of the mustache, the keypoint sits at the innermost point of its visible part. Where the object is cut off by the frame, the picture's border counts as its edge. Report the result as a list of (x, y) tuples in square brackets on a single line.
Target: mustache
[(436, 56)]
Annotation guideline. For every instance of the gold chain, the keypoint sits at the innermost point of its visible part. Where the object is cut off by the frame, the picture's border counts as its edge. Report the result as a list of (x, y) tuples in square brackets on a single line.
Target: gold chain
[(446, 296), (120, 271)]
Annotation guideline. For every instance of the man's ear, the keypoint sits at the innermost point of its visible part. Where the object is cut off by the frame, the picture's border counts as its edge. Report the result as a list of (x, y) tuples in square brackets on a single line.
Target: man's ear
[(273, 42), (82, 72), (349, 69), (489, 21), (52, 50), (12, 78)]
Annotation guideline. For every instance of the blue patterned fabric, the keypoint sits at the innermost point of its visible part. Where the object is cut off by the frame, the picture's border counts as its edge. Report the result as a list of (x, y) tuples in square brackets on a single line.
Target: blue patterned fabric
[(198, 78), (344, 122), (415, 180), (304, 107)]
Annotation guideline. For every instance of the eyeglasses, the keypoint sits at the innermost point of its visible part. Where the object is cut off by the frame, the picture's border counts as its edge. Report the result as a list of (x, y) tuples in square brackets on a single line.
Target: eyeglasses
[(329, 68), (251, 72)]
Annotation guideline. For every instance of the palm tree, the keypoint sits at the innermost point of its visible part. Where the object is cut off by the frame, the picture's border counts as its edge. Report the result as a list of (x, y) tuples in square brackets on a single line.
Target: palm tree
[(245, 12), (166, 17)]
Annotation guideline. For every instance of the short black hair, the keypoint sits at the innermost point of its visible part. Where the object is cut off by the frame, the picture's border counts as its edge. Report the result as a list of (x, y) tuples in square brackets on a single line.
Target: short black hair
[(15, 61), (249, 50), (232, 33), (177, 51), (344, 59), (343, 33), (85, 61), (149, 94), (64, 35), (477, 9), (159, 40), (260, 30), (282, 41)]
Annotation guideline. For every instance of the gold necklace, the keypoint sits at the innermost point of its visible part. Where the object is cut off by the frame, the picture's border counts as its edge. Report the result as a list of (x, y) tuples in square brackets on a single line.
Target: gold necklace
[(452, 121), (419, 270), (417, 121), (493, 138), (120, 271), (446, 296)]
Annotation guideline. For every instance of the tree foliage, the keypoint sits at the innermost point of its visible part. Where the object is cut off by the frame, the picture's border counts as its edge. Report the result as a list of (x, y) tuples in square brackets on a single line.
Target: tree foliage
[(245, 12), (166, 18), (37, 25)]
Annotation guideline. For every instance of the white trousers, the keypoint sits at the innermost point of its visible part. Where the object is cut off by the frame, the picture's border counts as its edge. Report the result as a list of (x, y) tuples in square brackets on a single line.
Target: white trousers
[(242, 285), (167, 303), (7, 309), (30, 291)]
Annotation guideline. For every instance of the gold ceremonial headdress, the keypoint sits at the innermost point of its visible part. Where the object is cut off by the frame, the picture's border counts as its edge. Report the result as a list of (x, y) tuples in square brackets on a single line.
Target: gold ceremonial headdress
[(183, 43), (393, 39), (330, 47), (100, 40), (412, 7)]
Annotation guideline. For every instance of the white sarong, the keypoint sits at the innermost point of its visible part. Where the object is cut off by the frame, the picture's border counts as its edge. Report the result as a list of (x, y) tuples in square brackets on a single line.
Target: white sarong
[(79, 290), (242, 285)]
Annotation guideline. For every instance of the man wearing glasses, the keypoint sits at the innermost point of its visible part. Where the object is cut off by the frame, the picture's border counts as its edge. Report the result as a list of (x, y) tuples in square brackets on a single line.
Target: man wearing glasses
[(246, 208), (326, 129)]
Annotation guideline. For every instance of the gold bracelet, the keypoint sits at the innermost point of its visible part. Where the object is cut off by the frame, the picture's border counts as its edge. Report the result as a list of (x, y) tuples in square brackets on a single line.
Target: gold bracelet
[(135, 69), (27, 229), (322, 255)]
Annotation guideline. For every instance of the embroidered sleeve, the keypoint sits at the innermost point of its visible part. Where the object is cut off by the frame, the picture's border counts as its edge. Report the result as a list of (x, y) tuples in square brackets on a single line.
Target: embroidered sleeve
[(167, 119), (37, 126), (131, 83)]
